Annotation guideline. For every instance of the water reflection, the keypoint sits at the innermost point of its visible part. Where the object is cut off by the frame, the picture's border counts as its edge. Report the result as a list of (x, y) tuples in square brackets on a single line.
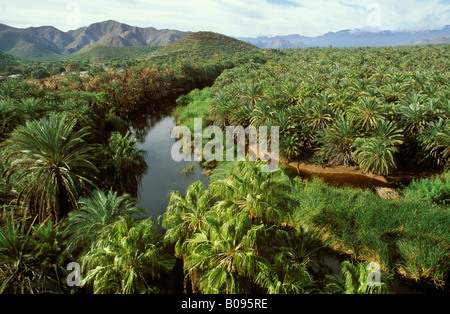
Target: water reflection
[(164, 175)]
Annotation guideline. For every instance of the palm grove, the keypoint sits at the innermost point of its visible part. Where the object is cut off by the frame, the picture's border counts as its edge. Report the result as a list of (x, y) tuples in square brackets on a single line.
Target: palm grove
[(71, 172)]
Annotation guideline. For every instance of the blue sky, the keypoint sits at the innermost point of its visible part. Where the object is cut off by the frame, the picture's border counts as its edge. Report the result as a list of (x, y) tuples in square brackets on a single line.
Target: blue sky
[(233, 17)]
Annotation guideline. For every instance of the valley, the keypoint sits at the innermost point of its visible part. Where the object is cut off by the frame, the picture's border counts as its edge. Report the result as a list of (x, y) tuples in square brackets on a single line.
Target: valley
[(87, 177)]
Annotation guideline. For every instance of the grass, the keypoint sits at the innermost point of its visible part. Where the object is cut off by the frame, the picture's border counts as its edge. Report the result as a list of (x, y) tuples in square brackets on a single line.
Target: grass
[(435, 190), (410, 236), (194, 105)]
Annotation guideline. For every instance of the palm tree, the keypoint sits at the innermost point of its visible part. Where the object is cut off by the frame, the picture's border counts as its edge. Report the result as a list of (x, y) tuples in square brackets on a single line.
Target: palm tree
[(389, 133), (225, 258), (374, 155), (261, 114), (127, 258), (96, 213), (317, 114), (337, 141), (435, 141), (15, 247), (263, 196), (185, 215), (51, 165), (367, 113), (290, 147), (295, 264), (8, 117), (251, 95), (31, 109), (126, 164), (49, 242), (413, 114), (393, 92)]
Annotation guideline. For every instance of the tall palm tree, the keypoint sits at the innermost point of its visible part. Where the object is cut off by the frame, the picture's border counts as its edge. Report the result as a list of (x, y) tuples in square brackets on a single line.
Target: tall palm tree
[(51, 165), (127, 258), (95, 213), (126, 164)]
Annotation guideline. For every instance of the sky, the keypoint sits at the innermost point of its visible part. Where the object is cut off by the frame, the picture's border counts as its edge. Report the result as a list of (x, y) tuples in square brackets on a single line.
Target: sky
[(238, 18)]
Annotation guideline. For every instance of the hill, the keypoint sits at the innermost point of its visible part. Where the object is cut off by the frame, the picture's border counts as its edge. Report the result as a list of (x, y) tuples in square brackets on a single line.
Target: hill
[(206, 45), (49, 43), (8, 60), (109, 53)]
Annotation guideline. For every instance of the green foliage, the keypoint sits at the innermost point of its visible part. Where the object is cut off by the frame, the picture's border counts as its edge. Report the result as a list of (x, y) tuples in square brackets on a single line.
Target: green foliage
[(50, 163), (127, 258), (194, 105), (95, 213), (126, 164), (108, 53), (377, 230), (355, 279), (31, 257), (40, 74), (341, 98), (7, 60), (435, 190)]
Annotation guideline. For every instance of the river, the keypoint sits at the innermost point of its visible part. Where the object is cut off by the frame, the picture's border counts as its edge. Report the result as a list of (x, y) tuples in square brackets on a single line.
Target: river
[(164, 175)]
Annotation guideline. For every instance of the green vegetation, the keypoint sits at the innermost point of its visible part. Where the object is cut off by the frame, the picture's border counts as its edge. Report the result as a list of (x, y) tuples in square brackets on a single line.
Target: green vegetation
[(6, 61), (368, 108), (397, 234), (106, 53), (71, 169)]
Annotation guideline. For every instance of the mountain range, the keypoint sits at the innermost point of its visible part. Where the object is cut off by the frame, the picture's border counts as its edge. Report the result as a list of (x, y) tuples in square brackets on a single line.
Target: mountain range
[(50, 43), (352, 38)]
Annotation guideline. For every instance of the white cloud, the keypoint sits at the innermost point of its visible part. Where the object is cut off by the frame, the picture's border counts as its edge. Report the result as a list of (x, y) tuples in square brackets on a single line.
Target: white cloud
[(232, 17)]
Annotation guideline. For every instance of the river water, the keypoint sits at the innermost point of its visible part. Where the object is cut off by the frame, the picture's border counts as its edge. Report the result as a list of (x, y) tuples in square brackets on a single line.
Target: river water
[(164, 175)]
